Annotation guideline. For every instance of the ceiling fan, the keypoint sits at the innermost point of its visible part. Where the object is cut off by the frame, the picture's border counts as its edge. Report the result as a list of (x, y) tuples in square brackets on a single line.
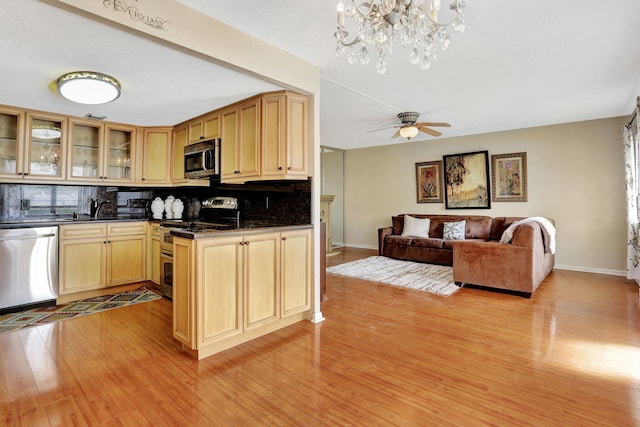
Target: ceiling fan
[(409, 126)]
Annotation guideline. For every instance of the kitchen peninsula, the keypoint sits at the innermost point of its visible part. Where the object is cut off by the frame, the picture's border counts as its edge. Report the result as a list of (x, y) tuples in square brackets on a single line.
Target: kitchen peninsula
[(234, 286)]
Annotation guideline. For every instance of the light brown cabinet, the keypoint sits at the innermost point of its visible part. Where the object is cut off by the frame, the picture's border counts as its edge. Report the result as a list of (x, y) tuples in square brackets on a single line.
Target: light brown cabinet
[(43, 155), (94, 256), (204, 128), (241, 142), (11, 142), (247, 286), (295, 271), (285, 136), (155, 165), (100, 152), (177, 170), (153, 260)]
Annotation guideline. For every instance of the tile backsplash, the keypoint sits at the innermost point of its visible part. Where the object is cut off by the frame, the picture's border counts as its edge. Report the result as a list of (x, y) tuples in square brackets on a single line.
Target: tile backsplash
[(270, 200)]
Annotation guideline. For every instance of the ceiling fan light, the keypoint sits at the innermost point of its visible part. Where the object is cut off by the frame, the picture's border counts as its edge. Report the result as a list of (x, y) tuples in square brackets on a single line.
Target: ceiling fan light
[(88, 87), (408, 132)]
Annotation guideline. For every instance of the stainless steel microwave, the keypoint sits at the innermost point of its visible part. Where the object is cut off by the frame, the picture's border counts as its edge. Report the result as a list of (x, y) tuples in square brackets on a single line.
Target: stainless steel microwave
[(202, 159)]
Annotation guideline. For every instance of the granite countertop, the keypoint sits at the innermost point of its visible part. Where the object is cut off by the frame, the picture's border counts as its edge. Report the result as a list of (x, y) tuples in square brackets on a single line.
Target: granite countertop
[(244, 227), (178, 228), (50, 221)]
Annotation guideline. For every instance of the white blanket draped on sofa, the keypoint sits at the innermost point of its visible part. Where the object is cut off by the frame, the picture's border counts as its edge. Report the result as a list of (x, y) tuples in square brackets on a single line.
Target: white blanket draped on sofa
[(548, 232)]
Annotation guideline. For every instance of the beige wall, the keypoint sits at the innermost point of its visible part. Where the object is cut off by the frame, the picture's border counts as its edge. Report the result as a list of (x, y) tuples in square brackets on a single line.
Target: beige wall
[(575, 175)]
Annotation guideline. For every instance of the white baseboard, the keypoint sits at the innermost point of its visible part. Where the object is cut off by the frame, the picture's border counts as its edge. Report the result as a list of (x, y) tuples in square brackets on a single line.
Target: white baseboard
[(608, 271), (583, 269)]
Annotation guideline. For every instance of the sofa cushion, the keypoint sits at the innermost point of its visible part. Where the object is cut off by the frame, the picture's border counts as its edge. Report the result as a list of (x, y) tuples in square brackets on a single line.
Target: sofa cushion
[(428, 243), (415, 227), (478, 227), (501, 223), (437, 224), (454, 230), (449, 244), (395, 239)]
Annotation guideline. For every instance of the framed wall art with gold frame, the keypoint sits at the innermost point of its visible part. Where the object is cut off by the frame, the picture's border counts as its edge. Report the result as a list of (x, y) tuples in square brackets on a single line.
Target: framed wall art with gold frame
[(429, 182), (466, 180), (509, 177)]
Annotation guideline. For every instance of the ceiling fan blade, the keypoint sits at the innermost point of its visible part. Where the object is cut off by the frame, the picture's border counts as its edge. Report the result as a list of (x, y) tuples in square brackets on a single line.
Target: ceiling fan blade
[(388, 127), (395, 135), (429, 131), (446, 125)]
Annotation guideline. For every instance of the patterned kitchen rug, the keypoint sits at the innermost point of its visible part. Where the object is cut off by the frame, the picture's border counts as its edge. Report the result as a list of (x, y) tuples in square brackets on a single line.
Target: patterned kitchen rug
[(40, 316)]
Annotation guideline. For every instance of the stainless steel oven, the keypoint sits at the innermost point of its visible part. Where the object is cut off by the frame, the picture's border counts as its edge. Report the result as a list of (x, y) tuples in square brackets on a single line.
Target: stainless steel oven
[(166, 264)]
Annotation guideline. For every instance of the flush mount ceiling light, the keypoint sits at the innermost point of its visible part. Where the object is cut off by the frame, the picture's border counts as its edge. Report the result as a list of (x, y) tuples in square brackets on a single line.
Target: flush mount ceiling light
[(88, 87), (375, 23), (45, 132)]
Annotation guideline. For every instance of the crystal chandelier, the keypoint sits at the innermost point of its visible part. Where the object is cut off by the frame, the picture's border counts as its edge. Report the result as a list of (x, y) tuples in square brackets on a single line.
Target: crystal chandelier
[(375, 23)]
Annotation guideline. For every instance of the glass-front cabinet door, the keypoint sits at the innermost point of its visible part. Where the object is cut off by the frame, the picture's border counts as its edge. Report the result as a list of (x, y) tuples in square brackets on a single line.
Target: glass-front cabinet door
[(119, 143), (85, 149), (44, 148), (11, 137), (100, 152)]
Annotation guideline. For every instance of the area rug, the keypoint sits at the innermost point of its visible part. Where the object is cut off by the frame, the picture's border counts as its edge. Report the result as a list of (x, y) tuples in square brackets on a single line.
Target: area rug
[(437, 279), (40, 316)]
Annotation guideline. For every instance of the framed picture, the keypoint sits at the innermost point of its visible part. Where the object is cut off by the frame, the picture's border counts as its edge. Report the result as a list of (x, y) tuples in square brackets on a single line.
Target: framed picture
[(429, 181), (509, 177), (466, 180)]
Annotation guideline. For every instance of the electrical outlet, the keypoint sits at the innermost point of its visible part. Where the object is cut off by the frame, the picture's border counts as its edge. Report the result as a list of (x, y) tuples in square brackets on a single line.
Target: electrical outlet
[(25, 204)]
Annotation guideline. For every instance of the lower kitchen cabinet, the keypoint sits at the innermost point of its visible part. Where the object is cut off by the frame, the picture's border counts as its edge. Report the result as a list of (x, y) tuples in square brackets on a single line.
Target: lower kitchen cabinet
[(295, 274), (154, 253), (94, 256), (229, 290)]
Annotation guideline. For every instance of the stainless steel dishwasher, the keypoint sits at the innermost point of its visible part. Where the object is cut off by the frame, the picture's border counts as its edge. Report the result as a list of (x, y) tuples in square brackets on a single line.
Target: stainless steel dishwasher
[(28, 267)]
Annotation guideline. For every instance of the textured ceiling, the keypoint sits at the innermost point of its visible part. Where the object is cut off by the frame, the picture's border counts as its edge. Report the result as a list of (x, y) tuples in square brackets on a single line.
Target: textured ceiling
[(518, 64)]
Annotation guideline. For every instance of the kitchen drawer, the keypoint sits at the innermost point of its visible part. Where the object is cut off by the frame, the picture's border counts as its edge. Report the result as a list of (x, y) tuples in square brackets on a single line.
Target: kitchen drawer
[(81, 231), (156, 231), (126, 228)]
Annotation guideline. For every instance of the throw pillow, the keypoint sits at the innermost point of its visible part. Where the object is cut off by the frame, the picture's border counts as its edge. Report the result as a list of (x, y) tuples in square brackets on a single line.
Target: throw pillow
[(415, 227), (454, 230)]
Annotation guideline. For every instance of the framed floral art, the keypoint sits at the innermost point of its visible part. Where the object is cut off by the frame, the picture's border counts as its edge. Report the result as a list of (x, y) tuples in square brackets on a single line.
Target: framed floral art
[(509, 177), (429, 182)]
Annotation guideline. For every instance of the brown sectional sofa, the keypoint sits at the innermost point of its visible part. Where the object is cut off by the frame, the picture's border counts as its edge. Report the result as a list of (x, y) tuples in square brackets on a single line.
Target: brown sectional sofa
[(479, 260)]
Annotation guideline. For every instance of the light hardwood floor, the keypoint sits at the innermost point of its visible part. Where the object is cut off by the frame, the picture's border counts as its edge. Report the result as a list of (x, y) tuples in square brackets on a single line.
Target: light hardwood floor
[(383, 356)]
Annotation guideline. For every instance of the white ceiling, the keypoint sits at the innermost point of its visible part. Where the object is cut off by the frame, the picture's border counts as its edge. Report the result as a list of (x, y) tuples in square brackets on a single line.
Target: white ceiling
[(518, 64)]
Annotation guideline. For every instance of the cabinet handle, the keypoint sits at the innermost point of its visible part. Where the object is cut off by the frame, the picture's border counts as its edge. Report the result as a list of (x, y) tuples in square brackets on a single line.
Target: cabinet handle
[(279, 168), (26, 173), (202, 137), (289, 168), (20, 173), (144, 179), (284, 238)]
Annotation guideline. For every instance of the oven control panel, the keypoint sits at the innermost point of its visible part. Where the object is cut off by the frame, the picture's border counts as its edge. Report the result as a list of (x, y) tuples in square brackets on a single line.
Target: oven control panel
[(220, 203)]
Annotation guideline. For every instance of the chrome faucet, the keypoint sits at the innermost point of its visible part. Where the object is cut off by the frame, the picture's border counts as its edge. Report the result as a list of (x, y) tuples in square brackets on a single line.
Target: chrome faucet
[(95, 207)]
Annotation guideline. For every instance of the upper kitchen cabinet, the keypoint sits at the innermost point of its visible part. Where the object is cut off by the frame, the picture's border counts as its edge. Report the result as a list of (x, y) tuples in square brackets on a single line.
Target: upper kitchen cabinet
[(43, 156), (177, 171), (120, 143), (241, 142), (285, 136), (100, 152), (11, 142), (204, 128), (156, 156)]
